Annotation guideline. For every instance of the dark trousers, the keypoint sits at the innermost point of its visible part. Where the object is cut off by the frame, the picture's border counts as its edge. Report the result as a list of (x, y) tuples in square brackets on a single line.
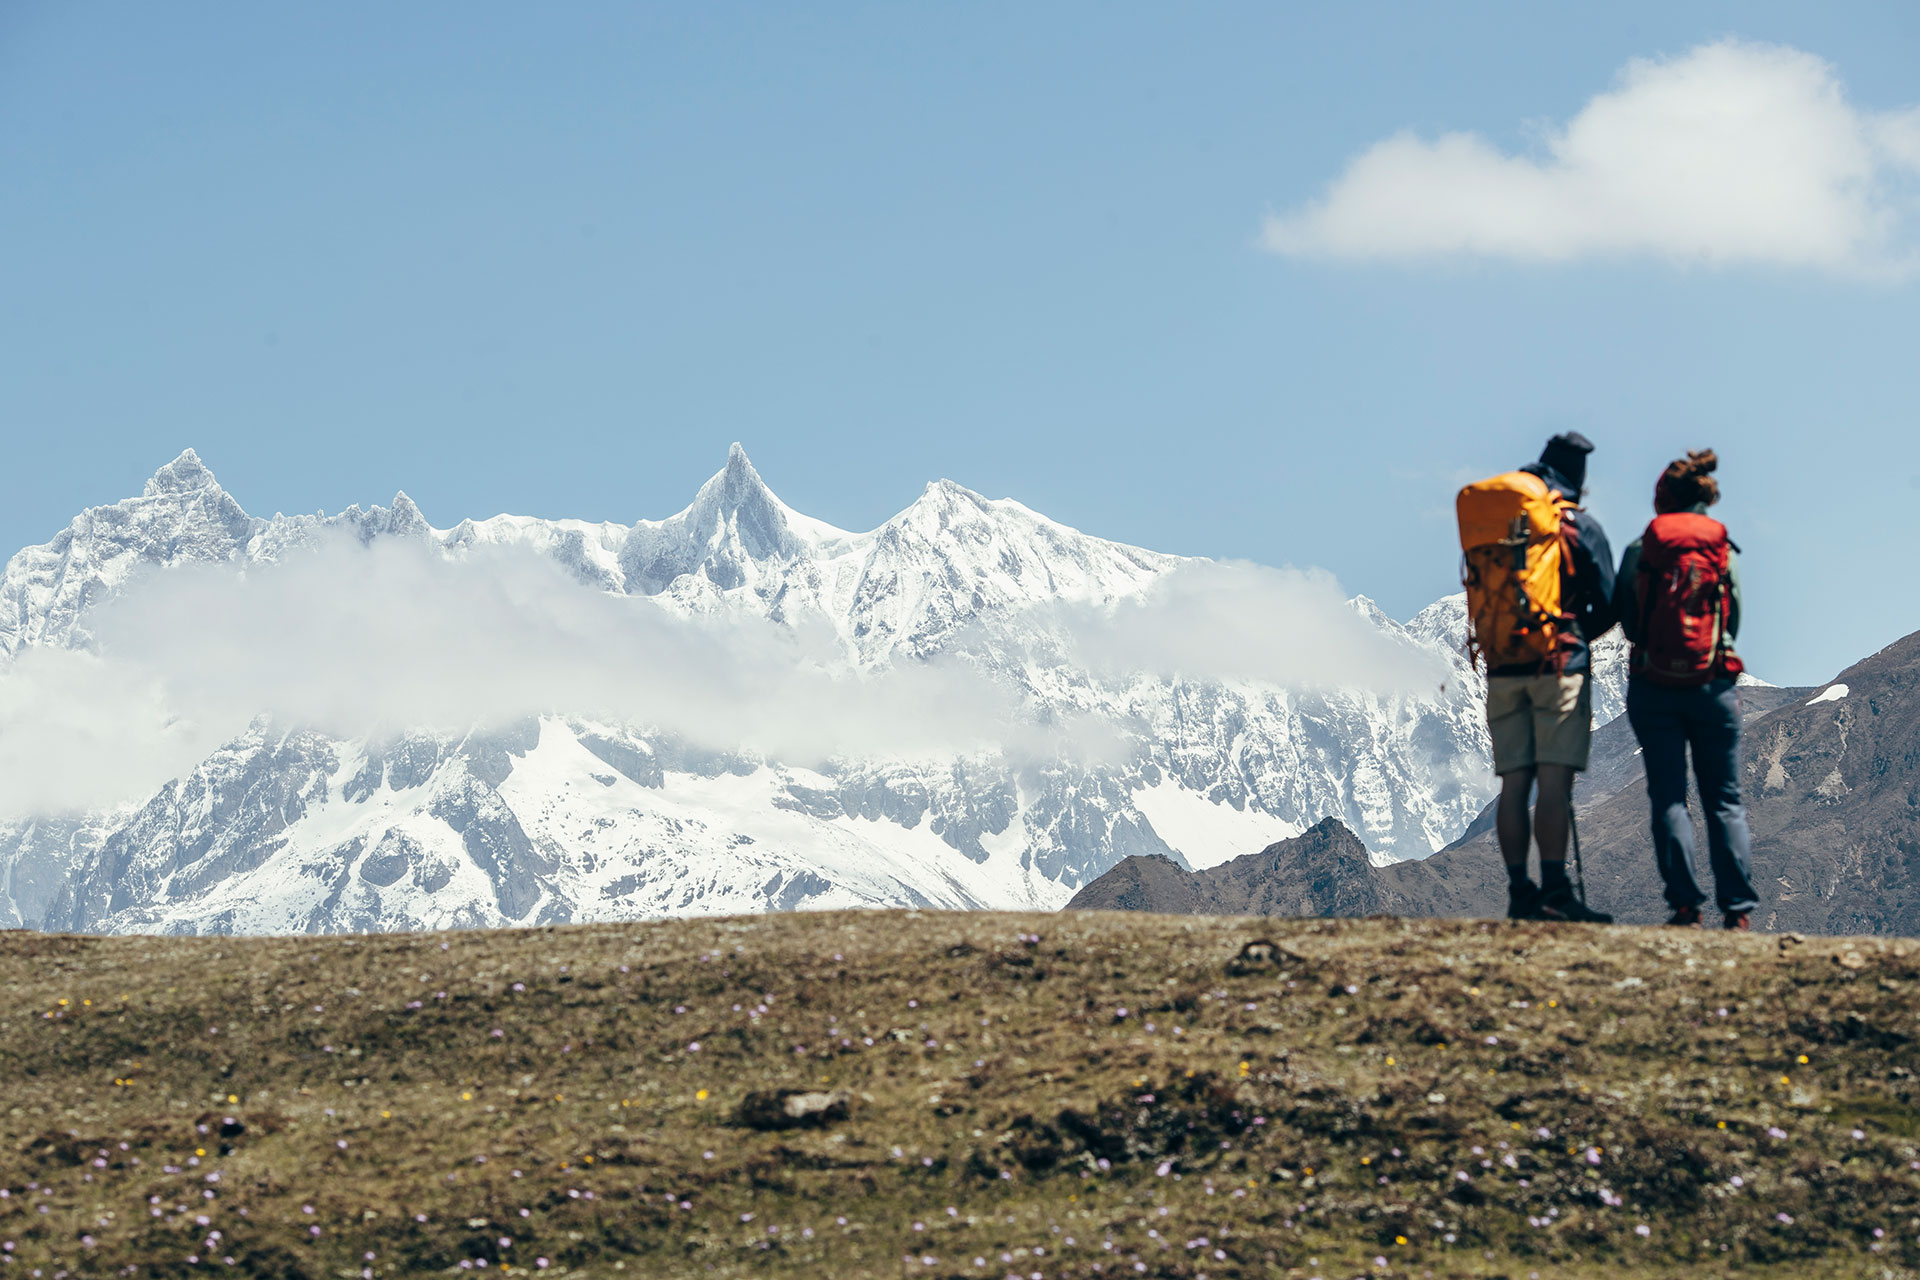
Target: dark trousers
[(1706, 718)]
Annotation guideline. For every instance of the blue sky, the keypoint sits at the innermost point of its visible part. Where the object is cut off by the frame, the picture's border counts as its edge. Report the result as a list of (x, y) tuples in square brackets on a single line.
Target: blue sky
[(553, 259)]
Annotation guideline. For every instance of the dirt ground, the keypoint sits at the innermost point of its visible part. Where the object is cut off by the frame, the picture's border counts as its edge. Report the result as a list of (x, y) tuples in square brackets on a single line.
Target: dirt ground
[(910, 1094)]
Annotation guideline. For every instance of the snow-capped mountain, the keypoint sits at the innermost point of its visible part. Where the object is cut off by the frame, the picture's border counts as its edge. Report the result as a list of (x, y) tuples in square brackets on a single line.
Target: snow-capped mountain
[(568, 817)]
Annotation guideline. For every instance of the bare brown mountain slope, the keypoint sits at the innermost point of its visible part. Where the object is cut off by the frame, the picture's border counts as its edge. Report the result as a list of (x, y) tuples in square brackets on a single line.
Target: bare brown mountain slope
[(1833, 790), (1321, 872), (1324, 871)]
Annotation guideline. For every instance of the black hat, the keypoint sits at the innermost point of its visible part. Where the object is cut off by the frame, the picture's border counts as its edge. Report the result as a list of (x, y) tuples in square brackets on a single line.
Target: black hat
[(1566, 456)]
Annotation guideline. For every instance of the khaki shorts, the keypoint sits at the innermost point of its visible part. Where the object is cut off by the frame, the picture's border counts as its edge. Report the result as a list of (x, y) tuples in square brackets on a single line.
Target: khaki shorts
[(1539, 720)]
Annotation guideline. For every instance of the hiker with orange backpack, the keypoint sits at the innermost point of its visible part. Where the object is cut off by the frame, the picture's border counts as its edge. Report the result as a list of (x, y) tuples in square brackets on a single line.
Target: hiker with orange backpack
[(1540, 585), (1678, 597)]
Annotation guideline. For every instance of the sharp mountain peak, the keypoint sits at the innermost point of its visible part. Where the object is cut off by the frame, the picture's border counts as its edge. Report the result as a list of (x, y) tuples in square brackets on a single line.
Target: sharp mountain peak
[(184, 474), (734, 486)]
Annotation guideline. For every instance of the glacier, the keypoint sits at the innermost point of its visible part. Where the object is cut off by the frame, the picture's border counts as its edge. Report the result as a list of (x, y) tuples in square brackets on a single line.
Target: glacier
[(566, 816)]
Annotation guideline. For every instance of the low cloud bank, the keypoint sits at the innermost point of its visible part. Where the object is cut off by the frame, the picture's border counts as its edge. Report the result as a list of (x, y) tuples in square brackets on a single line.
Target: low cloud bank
[(79, 732), (1232, 620), (357, 640), (1733, 152)]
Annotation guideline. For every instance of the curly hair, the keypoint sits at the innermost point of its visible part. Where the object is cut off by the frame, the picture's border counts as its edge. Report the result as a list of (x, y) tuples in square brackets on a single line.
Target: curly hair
[(1687, 482)]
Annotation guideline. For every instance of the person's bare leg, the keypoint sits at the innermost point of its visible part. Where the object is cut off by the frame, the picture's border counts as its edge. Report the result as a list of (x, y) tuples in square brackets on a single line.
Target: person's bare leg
[(1550, 816), (1552, 821), (1511, 822)]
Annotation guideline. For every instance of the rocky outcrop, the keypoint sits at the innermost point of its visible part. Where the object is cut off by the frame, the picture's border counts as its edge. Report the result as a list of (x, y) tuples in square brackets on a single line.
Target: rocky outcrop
[(1325, 871)]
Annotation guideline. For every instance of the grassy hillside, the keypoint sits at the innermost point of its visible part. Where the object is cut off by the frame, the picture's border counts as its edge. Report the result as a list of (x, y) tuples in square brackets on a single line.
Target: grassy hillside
[(1056, 1096)]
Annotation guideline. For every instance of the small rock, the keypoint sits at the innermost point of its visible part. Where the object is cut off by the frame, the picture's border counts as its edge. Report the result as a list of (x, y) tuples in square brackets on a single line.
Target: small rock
[(793, 1108), (1261, 953), (1850, 960)]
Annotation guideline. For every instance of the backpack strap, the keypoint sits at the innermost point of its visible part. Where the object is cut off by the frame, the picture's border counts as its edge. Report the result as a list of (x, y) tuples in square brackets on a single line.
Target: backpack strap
[(1569, 535)]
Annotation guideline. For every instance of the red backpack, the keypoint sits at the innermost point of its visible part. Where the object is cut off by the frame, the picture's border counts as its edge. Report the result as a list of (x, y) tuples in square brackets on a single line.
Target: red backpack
[(1684, 588)]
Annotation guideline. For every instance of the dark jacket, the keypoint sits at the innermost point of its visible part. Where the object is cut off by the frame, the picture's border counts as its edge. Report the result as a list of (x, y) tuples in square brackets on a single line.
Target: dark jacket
[(1586, 585), (1626, 589)]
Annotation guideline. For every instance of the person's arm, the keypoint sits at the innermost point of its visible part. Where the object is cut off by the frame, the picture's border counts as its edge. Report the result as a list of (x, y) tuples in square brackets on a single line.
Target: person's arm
[(1733, 595), (1594, 576), (1626, 593)]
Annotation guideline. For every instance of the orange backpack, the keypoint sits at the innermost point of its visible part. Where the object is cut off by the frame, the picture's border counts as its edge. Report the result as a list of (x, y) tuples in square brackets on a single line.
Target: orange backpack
[(1514, 531)]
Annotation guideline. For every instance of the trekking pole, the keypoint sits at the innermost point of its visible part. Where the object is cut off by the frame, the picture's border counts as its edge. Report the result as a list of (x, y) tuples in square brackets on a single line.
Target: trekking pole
[(1579, 869)]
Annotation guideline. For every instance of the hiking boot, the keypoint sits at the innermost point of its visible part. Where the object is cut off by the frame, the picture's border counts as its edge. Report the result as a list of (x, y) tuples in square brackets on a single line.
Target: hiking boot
[(1686, 918), (1523, 900), (1564, 904), (1738, 922)]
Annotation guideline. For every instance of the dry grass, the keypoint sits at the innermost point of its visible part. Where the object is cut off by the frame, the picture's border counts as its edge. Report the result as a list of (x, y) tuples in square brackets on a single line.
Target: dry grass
[(1066, 1096)]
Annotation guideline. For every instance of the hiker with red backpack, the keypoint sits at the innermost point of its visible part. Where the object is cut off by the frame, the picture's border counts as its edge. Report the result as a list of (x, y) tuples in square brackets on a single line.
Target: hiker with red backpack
[(1678, 597), (1540, 585)]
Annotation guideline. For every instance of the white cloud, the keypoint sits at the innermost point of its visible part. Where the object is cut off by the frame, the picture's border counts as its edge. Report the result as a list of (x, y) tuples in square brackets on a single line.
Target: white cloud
[(1231, 620), (79, 733), (1734, 152), (368, 640)]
